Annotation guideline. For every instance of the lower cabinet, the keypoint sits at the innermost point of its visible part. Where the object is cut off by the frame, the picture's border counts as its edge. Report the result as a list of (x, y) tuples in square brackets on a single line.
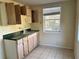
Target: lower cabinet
[(18, 49)]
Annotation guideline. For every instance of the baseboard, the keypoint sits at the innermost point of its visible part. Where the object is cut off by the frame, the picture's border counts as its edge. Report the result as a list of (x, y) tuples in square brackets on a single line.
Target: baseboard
[(57, 46)]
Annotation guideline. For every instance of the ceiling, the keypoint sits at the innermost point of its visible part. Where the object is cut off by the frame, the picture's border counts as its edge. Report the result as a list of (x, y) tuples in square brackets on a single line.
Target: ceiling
[(38, 2)]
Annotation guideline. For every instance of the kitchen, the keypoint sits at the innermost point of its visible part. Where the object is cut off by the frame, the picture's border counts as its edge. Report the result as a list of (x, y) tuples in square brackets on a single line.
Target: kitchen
[(22, 21)]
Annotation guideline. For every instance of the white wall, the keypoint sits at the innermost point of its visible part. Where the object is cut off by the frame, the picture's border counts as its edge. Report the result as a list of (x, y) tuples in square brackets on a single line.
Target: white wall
[(65, 38), (77, 33)]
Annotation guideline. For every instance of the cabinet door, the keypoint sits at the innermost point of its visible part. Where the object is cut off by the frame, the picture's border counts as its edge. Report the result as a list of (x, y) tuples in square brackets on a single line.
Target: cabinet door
[(25, 46), (29, 11), (3, 14), (34, 16), (10, 9), (30, 42), (20, 49), (23, 10), (18, 14), (29, 14), (35, 39)]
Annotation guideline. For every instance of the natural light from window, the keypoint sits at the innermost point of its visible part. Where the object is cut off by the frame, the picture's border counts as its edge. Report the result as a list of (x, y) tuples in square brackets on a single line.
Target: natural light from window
[(51, 21)]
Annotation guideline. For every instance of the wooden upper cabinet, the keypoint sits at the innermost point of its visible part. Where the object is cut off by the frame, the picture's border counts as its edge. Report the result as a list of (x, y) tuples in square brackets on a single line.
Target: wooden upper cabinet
[(25, 10), (10, 10), (34, 16), (29, 11), (10, 14), (18, 14), (3, 15)]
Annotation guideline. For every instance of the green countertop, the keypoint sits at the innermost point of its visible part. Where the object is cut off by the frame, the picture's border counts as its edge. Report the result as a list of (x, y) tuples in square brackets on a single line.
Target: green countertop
[(18, 35)]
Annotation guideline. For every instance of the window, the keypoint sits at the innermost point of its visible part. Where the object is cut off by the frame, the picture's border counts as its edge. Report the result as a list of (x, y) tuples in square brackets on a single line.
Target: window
[(51, 23), (51, 19)]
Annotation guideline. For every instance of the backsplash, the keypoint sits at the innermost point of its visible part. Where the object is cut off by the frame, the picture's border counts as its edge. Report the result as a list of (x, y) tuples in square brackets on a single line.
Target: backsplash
[(12, 28)]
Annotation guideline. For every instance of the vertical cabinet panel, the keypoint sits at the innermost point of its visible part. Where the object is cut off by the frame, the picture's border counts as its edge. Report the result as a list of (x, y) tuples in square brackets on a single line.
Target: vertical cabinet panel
[(20, 49), (25, 46)]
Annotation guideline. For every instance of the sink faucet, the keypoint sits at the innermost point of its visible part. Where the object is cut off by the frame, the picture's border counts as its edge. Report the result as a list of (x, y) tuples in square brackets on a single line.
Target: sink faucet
[(24, 31)]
